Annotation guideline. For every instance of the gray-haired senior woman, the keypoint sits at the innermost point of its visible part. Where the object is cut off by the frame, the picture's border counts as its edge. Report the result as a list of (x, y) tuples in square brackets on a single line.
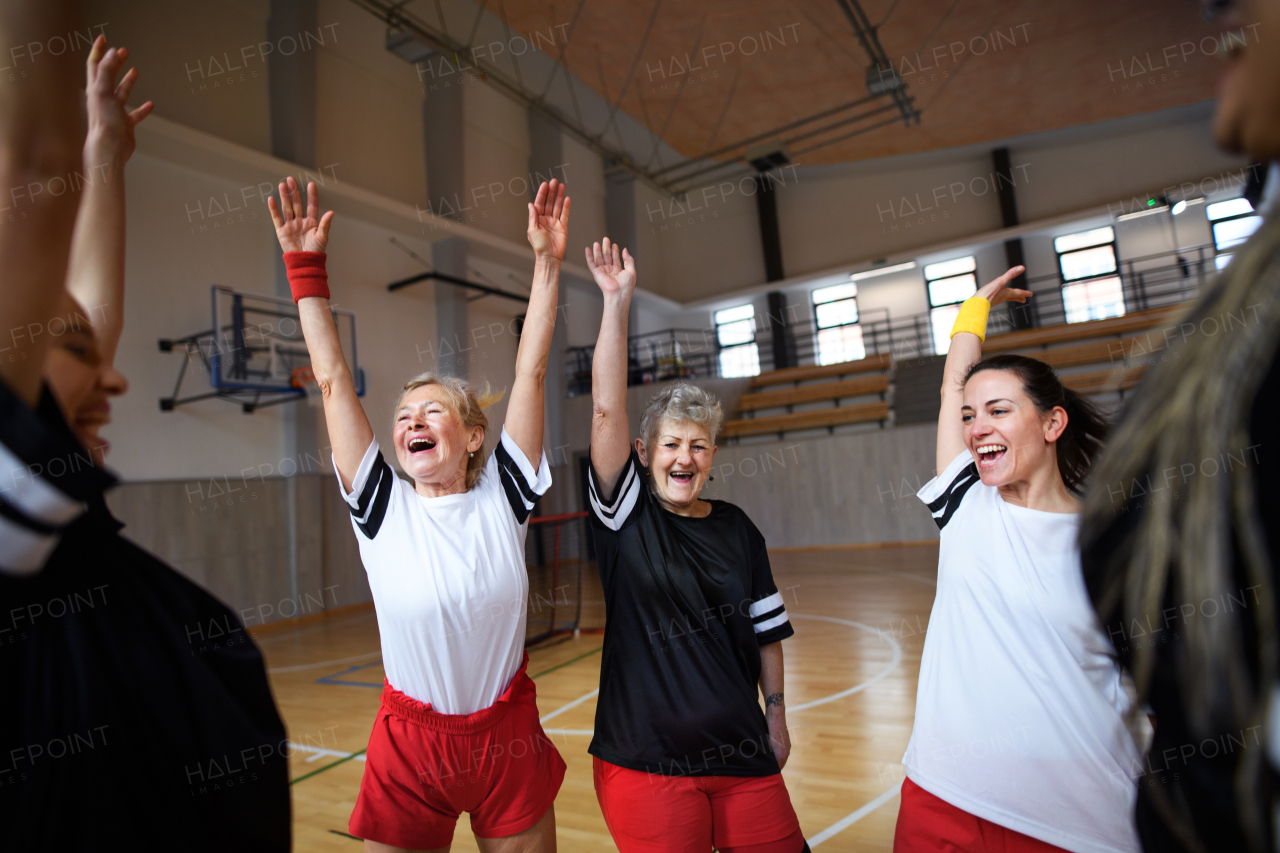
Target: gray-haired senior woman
[(684, 758)]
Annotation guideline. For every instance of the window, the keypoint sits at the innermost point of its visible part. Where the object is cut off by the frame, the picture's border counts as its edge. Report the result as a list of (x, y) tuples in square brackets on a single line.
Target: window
[(736, 334), (949, 283), (1087, 262), (835, 310), (1232, 223)]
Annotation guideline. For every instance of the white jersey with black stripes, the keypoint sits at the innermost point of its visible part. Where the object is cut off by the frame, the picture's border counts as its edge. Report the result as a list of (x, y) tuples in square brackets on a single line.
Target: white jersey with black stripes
[(1020, 710), (448, 576)]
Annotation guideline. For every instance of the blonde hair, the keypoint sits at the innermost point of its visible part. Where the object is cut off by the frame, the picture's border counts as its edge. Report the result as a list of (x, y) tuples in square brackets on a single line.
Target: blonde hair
[(464, 400), (681, 402)]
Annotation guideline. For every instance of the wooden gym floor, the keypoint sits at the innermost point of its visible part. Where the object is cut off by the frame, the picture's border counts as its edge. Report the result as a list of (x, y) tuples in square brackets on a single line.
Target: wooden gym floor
[(851, 669)]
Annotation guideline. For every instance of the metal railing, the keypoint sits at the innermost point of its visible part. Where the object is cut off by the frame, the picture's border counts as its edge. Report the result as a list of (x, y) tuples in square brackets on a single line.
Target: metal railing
[(1151, 281)]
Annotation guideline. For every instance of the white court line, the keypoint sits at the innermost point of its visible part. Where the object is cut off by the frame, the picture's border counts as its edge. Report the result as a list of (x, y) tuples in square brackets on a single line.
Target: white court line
[(857, 688), (320, 752), (849, 820), (575, 703), (323, 663)]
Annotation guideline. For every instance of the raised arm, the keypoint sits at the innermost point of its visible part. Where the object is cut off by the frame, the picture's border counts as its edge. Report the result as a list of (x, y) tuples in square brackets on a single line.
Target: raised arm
[(610, 430), (548, 234), (964, 353), (299, 230), (40, 136), (96, 273)]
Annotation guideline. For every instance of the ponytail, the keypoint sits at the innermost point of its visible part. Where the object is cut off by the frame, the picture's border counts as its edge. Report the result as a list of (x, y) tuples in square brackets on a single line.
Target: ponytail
[(1081, 441)]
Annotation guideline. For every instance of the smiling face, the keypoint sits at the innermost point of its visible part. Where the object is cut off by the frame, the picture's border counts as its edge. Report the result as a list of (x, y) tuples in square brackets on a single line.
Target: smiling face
[(679, 462), (82, 381), (1009, 438), (1248, 113), (432, 443)]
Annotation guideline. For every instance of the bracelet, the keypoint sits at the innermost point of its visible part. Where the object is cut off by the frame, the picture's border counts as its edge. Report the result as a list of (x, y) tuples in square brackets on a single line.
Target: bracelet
[(973, 317), (307, 276)]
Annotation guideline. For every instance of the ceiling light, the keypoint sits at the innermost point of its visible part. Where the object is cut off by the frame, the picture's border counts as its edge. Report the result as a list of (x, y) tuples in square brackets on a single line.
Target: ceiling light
[(881, 80), (1139, 213), (859, 276), (407, 46)]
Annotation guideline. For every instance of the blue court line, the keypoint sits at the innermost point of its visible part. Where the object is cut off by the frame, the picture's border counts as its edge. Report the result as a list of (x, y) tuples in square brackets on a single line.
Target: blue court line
[(334, 678)]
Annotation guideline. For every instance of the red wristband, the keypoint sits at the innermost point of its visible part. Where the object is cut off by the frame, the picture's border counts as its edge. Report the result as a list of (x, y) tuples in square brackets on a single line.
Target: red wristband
[(307, 276)]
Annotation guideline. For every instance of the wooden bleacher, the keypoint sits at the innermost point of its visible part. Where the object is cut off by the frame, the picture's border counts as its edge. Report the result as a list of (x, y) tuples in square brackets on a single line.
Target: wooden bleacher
[(1067, 332), (868, 412), (1108, 345), (823, 371), (835, 389)]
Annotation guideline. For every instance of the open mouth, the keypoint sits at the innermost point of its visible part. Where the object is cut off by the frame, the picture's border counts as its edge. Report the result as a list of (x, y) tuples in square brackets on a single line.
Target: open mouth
[(420, 445), (989, 454), (682, 477)]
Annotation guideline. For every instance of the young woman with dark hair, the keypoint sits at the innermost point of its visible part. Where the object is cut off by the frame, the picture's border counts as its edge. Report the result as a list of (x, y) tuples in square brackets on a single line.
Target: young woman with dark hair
[(1019, 741)]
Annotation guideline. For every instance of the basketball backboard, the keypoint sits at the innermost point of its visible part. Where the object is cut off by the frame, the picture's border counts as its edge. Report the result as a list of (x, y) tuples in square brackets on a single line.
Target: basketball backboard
[(254, 353)]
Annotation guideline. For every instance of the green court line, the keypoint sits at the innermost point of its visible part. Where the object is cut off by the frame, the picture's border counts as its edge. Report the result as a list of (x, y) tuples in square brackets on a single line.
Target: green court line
[(345, 835), (327, 767), (354, 754), (566, 663)]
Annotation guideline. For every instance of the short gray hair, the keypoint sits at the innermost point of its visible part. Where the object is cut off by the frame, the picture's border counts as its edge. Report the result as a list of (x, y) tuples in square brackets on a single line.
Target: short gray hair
[(681, 401)]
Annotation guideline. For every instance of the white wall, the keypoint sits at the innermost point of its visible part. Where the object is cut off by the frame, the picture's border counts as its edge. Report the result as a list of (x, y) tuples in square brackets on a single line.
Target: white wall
[(903, 208), (171, 265), (368, 107)]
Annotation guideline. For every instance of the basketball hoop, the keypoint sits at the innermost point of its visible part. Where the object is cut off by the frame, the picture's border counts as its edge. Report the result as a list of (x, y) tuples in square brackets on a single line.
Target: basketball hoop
[(305, 378)]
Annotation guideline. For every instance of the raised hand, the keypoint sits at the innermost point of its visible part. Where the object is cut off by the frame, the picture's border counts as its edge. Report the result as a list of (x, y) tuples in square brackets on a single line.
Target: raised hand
[(299, 229), (111, 123), (549, 221), (996, 292), (615, 274)]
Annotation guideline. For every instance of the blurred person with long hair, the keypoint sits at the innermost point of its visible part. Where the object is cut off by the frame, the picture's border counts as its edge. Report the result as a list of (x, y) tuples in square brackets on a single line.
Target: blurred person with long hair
[(1181, 534)]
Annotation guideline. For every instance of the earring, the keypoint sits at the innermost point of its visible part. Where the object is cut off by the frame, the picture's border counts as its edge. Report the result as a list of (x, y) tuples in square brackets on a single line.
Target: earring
[(712, 477), (472, 454)]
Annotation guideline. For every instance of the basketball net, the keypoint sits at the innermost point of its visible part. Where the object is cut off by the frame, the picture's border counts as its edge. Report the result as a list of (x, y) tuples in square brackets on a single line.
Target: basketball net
[(305, 378)]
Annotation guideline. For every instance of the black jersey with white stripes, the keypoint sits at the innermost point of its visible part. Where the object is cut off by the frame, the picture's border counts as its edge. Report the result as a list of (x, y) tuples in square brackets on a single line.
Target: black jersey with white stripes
[(47, 480), (688, 603)]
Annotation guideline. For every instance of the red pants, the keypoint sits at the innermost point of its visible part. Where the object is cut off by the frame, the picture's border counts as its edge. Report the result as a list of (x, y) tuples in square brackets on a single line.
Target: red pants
[(928, 824), (649, 813), (425, 768)]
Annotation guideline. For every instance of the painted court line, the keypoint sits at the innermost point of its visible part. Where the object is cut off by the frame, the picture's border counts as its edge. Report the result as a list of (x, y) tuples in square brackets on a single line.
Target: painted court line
[(575, 703), (321, 752), (849, 820), (857, 688), (566, 663)]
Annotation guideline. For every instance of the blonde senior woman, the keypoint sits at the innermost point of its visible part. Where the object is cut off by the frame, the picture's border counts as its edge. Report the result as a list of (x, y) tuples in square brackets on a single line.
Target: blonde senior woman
[(444, 550)]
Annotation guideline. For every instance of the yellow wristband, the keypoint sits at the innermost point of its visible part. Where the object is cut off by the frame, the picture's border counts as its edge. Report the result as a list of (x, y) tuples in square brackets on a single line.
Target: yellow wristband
[(973, 317)]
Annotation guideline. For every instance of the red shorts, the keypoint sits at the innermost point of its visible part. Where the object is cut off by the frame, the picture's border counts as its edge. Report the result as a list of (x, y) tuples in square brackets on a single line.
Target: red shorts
[(929, 824), (649, 813), (425, 768)]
